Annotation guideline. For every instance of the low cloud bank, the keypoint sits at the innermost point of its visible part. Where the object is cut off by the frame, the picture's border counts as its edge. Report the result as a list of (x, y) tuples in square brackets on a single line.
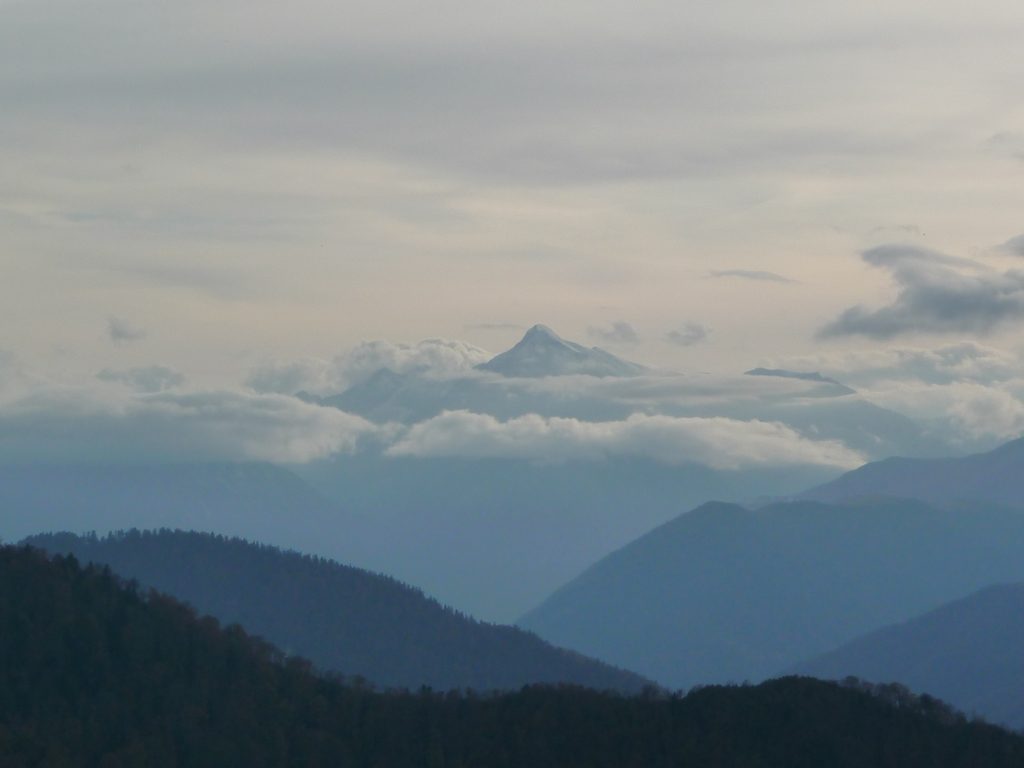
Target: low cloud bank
[(720, 443), (102, 426)]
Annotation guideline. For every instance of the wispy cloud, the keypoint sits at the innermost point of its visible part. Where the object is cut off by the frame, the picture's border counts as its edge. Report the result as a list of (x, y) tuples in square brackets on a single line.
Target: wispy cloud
[(752, 274), (619, 332), (121, 331), (689, 335), (154, 378), (430, 358)]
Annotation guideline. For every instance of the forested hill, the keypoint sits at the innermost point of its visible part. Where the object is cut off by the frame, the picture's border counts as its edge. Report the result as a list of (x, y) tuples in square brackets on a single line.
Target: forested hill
[(96, 674), (970, 652), (341, 618)]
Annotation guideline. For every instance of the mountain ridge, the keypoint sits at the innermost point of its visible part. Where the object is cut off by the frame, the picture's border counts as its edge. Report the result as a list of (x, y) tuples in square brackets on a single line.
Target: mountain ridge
[(341, 618), (724, 593), (995, 476)]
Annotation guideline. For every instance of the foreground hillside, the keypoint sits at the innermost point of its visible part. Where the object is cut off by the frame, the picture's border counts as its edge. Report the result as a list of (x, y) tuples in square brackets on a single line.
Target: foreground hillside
[(724, 593), (969, 652), (92, 673), (341, 618)]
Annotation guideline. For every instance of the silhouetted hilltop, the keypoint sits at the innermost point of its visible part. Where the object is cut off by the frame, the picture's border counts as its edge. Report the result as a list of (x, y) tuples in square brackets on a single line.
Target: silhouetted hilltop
[(341, 618), (969, 652)]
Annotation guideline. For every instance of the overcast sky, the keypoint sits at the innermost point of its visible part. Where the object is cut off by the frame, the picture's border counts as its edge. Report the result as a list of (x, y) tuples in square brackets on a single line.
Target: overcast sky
[(211, 185)]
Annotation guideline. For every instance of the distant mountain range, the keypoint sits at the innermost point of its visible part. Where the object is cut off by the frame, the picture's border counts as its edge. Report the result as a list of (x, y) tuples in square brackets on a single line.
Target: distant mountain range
[(542, 352), (96, 674), (996, 476), (969, 652), (494, 537), (511, 531), (341, 618), (724, 593)]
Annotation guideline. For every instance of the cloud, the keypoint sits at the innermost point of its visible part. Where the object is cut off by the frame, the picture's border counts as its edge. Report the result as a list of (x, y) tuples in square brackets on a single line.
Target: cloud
[(155, 378), (287, 378), (720, 443), (1007, 143), (960, 361), (430, 358), (751, 274), (938, 294), (106, 426), (1015, 246), (9, 370), (620, 332), (121, 331), (689, 335), (961, 411)]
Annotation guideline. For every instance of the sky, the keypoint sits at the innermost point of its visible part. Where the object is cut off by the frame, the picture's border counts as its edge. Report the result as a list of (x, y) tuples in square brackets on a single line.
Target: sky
[(193, 194)]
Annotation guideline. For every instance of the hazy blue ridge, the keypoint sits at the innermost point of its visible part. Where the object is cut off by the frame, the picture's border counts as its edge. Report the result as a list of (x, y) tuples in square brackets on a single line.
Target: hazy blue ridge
[(723, 593), (994, 476)]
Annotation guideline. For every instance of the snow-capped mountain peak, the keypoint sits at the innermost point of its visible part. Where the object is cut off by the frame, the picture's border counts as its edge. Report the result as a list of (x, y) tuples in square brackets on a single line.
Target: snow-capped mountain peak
[(542, 352)]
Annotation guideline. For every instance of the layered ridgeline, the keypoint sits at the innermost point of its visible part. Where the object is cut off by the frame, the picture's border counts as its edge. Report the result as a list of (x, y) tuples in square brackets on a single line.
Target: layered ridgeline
[(94, 674), (969, 652), (535, 516), (996, 476), (724, 593), (341, 618)]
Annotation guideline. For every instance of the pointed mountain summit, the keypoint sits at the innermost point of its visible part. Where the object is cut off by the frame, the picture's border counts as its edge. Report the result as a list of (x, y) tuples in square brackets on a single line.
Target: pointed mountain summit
[(542, 352)]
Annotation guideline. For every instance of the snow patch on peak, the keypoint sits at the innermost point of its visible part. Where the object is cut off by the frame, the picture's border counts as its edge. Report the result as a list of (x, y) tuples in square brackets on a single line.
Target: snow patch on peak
[(542, 352)]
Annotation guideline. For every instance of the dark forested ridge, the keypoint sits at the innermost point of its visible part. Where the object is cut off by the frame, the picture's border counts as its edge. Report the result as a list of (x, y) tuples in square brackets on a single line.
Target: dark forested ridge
[(96, 674), (727, 594), (341, 618), (969, 652)]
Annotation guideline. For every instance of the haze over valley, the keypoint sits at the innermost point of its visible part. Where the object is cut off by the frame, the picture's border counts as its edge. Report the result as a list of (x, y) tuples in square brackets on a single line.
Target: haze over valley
[(515, 385)]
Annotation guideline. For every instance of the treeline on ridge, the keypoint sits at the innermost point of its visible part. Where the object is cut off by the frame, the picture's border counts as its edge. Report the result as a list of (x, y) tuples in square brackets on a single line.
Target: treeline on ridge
[(94, 672)]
